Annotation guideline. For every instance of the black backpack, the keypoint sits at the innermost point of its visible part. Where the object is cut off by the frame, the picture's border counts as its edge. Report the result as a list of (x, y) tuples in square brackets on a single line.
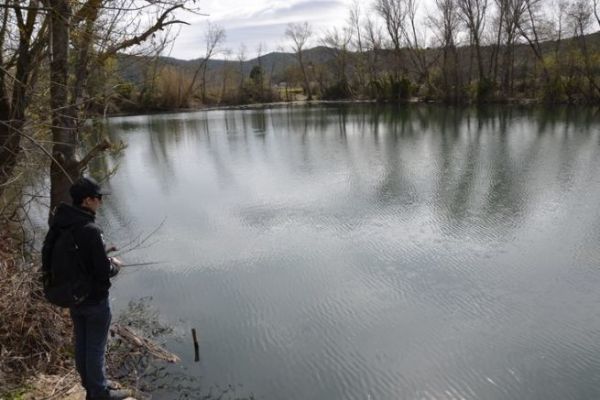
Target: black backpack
[(65, 279)]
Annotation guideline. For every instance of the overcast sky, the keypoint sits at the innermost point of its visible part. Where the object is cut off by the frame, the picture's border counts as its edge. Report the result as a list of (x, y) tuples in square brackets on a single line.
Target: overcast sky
[(257, 21), (254, 22)]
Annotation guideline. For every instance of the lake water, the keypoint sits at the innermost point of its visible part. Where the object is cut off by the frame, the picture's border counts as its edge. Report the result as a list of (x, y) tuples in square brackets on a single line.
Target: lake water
[(367, 252)]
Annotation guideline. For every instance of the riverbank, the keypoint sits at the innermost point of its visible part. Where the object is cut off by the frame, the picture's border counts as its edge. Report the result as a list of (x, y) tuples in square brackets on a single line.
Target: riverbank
[(252, 106), (524, 102), (35, 337)]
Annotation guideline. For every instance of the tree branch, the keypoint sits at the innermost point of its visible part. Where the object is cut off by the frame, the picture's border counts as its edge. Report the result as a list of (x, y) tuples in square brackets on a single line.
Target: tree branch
[(87, 11), (136, 40), (28, 8), (35, 143), (100, 147)]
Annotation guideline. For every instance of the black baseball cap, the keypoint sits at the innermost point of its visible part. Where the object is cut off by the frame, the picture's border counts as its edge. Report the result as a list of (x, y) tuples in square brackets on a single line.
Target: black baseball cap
[(86, 187)]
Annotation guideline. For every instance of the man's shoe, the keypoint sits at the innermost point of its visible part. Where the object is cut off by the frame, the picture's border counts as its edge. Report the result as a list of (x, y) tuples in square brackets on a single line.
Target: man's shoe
[(114, 395), (112, 385)]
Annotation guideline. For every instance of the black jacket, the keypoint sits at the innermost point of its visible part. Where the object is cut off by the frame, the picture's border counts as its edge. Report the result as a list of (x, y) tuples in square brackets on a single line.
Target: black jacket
[(88, 237)]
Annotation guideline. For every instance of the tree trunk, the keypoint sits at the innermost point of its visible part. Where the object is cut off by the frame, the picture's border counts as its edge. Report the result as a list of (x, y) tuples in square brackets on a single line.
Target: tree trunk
[(83, 46), (12, 112), (65, 167), (304, 76)]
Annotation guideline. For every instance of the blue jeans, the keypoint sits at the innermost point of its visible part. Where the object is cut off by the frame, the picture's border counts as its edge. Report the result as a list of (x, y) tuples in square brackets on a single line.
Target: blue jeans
[(91, 323)]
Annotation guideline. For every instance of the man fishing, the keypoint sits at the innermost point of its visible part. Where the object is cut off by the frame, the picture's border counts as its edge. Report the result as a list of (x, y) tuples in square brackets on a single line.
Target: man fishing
[(91, 314)]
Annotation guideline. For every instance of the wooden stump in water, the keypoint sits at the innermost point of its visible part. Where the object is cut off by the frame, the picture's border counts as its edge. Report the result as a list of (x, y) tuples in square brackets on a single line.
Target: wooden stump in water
[(196, 347)]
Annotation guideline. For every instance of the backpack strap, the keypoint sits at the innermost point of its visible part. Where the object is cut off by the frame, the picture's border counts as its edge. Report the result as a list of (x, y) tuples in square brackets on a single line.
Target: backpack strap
[(71, 231), (47, 249)]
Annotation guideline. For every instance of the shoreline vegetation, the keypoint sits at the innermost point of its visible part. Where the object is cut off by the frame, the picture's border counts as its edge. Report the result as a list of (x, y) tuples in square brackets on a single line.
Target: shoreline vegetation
[(561, 91), (107, 58), (36, 338), (540, 62), (316, 102), (28, 347)]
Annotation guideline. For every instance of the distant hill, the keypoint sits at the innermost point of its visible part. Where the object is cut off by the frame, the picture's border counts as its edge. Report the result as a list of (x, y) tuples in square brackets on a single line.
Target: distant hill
[(131, 67)]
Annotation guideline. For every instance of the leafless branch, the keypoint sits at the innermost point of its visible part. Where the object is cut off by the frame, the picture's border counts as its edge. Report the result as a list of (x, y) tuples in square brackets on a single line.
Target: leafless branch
[(136, 243), (160, 24)]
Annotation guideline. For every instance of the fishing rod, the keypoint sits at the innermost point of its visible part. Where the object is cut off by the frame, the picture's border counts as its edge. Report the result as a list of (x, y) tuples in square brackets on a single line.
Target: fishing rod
[(141, 264), (121, 264), (117, 261)]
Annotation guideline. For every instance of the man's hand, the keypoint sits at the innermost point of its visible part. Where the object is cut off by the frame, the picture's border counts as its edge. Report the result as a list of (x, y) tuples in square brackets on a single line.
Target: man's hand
[(115, 266)]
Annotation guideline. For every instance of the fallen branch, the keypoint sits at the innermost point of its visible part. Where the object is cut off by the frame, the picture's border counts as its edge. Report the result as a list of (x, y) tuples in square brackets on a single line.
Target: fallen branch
[(135, 340)]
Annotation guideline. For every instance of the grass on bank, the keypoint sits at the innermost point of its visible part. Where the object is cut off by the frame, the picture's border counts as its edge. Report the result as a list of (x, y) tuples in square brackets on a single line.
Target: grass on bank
[(34, 336)]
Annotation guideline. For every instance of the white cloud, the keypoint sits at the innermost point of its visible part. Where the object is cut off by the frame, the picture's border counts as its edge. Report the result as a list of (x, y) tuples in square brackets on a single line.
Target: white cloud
[(254, 22), (264, 21)]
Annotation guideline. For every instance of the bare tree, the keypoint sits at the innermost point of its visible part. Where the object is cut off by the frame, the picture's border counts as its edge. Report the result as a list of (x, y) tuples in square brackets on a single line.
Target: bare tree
[(529, 29), (271, 72), (358, 42), (241, 56), (596, 12), (355, 23), (151, 73), (66, 94), (260, 48), (338, 40), (373, 44), (510, 15), (560, 12), (580, 14), (213, 37), (580, 17), (413, 41), (300, 34), (393, 13), (447, 24), (225, 73), (25, 27), (259, 53), (473, 13)]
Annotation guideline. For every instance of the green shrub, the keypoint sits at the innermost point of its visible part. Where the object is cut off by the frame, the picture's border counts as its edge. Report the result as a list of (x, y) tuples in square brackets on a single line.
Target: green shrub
[(484, 90), (553, 92)]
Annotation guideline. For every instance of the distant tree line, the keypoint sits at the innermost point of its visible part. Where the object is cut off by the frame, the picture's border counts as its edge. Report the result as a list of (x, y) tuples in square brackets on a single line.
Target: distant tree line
[(457, 51), (465, 51)]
